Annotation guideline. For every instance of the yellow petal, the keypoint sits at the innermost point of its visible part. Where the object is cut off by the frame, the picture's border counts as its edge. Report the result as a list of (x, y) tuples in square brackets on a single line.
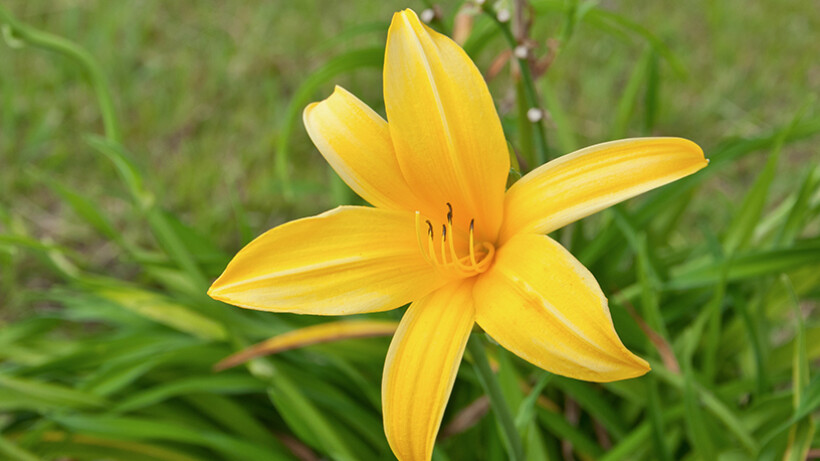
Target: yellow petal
[(591, 179), (446, 132), (355, 141), (345, 261), (421, 367), (314, 334), (539, 302)]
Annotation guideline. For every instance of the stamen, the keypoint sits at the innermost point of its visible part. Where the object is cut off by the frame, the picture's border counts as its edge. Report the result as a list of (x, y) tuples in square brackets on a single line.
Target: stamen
[(476, 261), (431, 243), (453, 254), (418, 237), (472, 244), (443, 244)]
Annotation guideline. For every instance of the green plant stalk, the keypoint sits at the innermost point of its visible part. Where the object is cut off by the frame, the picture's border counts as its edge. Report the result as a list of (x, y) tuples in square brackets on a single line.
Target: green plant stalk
[(530, 94), (65, 47), (503, 414), (525, 136)]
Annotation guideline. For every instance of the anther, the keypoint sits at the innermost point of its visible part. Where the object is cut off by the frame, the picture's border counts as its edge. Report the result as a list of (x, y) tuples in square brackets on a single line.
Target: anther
[(450, 213)]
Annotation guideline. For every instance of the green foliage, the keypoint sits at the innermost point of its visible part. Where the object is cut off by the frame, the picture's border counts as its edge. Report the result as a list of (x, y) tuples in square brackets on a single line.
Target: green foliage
[(114, 220)]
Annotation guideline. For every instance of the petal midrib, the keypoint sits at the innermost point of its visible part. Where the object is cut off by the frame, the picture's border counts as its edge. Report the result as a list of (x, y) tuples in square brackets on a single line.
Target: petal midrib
[(350, 262), (451, 148)]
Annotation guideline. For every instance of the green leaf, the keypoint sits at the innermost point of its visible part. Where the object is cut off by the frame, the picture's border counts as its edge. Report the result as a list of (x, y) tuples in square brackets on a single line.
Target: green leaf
[(38, 395), (526, 409), (594, 403), (12, 452), (800, 210), (564, 131), (558, 425), (745, 266), (743, 225), (82, 205), (216, 384), (147, 429), (301, 415), (162, 310), (629, 97), (58, 444)]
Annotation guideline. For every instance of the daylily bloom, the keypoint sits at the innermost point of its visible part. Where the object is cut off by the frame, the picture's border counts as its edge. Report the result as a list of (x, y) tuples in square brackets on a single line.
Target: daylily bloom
[(445, 236)]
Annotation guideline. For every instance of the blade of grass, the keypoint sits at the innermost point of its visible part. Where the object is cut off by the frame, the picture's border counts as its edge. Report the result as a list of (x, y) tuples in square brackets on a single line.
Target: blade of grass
[(801, 434), (745, 266), (214, 384), (717, 408), (501, 410), (555, 423), (629, 97), (144, 429), (652, 93), (526, 410), (301, 415), (37, 394), (594, 403), (799, 212), (12, 452), (57, 443)]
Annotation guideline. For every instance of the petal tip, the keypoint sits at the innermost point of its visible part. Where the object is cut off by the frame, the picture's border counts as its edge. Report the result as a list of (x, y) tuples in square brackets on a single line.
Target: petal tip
[(308, 109), (641, 366), (694, 149), (634, 367), (214, 291), (404, 18)]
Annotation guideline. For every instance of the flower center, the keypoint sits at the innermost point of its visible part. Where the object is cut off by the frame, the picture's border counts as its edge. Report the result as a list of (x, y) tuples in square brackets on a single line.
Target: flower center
[(452, 251)]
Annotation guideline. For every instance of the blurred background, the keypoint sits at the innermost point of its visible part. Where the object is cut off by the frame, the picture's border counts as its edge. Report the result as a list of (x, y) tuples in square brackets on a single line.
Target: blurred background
[(106, 245)]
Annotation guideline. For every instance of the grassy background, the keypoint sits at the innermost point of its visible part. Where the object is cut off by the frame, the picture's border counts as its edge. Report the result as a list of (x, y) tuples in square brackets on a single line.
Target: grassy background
[(92, 288)]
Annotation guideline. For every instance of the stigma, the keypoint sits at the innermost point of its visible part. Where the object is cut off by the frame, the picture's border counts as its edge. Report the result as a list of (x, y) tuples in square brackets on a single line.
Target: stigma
[(453, 251)]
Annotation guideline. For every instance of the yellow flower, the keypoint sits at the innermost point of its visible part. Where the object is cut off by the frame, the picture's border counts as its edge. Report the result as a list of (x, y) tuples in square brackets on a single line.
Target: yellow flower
[(445, 236)]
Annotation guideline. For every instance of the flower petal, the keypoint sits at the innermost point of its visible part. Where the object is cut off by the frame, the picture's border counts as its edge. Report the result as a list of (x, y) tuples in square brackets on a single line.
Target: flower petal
[(445, 129), (355, 141), (591, 179), (344, 261), (539, 302), (421, 367)]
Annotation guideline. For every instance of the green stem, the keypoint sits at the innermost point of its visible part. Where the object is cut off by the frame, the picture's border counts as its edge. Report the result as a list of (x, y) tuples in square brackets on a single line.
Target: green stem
[(82, 57), (530, 93), (503, 414)]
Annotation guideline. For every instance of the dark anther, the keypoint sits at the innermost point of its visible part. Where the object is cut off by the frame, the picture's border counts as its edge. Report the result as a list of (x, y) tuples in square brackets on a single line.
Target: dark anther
[(450, 213), (472, 224), (443, 232), (429, 228)]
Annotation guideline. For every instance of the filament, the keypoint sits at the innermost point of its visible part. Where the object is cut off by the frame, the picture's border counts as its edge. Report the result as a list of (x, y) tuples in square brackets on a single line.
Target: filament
[(443, 254)]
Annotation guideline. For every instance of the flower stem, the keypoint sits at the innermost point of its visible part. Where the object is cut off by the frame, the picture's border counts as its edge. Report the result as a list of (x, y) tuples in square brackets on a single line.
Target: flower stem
[(79, 55), (511, 437), (530, 94)]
